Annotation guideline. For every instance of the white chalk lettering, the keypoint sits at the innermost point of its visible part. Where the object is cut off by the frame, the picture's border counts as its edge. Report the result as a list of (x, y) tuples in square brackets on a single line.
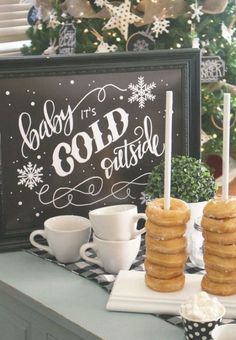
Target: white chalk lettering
[(51, 124), (82, 148), (129, 154)]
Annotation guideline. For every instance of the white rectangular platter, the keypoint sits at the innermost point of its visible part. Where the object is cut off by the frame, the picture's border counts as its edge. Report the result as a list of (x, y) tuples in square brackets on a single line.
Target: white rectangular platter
[(130, 294)]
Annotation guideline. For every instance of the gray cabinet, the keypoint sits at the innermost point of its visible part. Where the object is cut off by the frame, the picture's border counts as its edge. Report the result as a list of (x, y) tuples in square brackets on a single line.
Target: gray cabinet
[(18, 321), (15, 327), (41, 301), (12, 326)]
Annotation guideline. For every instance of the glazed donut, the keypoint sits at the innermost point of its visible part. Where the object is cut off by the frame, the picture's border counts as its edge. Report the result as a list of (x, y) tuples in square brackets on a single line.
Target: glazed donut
[(161, 272), (226, 238), (221, 250), (179, 212), (219, 263), (167, 260), (221, 277), (162, 233), (217, 208), (172, 246), (226, 225), (160, 285), (223, 289)]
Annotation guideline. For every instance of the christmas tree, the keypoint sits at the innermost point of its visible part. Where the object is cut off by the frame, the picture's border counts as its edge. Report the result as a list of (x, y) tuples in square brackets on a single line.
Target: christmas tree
[(87, 26)]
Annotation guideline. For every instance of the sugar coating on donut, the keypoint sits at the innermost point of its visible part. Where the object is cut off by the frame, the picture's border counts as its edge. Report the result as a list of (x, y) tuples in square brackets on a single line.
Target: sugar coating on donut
[(219, 263), (223, 225), (218, 208), (161, 272), (167, 260), (165, 285), (223, 289), (171, 246), (162, 232), (221, 250), (220, 238), (179, 212), (221, 276)]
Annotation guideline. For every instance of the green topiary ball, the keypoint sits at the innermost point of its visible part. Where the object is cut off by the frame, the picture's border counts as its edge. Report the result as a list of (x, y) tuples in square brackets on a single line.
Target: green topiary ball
[(191, 180)]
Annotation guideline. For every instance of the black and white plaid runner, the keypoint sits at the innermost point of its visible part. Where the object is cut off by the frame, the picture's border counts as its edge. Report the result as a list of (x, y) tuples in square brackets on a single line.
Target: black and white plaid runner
[(92, 271), (95, 273)]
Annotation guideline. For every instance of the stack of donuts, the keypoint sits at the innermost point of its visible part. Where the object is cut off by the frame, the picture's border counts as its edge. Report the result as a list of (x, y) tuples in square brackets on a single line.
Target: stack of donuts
[(166, 252), (219, 232)]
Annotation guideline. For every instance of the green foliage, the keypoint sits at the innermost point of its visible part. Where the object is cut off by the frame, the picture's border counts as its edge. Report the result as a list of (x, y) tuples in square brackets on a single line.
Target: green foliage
[(182, 30), (191, 180), (40, 39), (212, 121)]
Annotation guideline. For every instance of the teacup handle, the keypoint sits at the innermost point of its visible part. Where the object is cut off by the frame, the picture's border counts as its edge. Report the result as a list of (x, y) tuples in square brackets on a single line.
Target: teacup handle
[(84, 248), (38, 245), (138, 217)]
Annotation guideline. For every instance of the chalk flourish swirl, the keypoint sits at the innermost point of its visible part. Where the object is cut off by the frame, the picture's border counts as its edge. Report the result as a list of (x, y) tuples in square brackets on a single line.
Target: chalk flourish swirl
[(85, 193)]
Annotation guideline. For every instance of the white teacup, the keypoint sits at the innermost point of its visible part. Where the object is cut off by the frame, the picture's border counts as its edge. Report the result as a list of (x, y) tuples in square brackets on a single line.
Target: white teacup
[(116, 222), (65, 235), (224, 332), (113, 256)]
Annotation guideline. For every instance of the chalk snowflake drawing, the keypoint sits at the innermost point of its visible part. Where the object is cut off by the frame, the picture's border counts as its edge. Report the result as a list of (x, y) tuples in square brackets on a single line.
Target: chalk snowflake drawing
[(30, 175), (144, 198), (141, 92)]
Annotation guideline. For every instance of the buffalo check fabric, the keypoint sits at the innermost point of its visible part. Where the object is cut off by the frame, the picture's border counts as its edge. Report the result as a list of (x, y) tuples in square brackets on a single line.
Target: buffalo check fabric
[(95, 273), (92, 271)]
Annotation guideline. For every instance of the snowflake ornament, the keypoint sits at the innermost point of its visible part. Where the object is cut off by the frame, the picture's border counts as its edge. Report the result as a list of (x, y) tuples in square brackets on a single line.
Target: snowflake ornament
[(141, 92), (121, 17), (140, 41), (140, 45), (53, 22), (227, 33), (105, 47), (204, 137), (159, 26), (100, 3), (197, 11), (30, 175)]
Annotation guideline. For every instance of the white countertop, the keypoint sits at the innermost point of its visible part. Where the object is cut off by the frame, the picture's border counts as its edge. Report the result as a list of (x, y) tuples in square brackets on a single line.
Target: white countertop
[(76, 303)]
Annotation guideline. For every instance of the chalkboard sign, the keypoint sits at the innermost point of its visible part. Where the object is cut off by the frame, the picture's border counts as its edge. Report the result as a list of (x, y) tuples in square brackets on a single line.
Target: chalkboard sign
[(81, 132)]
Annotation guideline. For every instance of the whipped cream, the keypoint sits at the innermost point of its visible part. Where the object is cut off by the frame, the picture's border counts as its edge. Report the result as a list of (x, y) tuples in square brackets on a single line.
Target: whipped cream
[(201, 307)]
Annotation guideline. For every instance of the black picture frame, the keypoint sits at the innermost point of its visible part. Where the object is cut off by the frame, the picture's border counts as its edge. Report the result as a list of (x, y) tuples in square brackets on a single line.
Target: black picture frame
[(28, 84)]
